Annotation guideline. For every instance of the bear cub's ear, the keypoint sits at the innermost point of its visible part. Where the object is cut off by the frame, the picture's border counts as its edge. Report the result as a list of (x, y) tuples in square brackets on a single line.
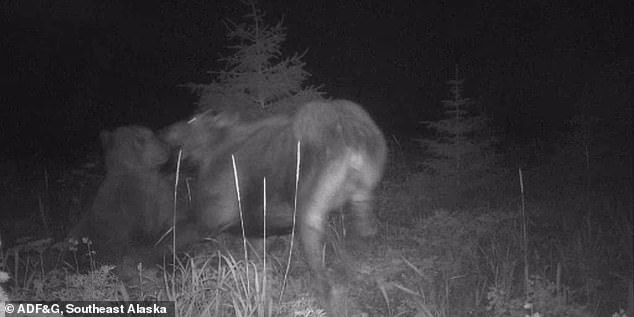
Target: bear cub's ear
[(105, 137)]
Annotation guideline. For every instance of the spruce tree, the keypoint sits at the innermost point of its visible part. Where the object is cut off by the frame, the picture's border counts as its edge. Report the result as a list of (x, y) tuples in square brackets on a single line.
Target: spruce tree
[(256, 79), (461, 154)]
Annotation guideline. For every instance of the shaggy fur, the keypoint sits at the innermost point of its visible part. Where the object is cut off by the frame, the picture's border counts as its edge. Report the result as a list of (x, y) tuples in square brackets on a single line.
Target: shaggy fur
[(343, 154), (133, 206)]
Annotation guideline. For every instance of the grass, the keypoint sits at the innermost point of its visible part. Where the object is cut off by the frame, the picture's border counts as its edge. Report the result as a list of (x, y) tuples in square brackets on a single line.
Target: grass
[(426, 261)]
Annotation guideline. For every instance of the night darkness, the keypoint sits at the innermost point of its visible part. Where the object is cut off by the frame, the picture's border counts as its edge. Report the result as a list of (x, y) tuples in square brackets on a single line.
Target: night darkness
[(73, 68), (76, 68)]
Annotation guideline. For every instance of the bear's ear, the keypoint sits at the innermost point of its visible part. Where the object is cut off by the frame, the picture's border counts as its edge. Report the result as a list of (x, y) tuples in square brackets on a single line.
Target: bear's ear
[(105, 137), (176, 134), (224, 119)]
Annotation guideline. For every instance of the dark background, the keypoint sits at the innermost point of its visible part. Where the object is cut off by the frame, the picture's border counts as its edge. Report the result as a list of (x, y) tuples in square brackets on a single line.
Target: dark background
[(74, 67)]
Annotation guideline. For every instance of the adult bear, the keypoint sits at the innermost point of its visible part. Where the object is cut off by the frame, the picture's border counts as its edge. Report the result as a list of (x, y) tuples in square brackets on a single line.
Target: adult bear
[(133, 206), (343, 154)]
